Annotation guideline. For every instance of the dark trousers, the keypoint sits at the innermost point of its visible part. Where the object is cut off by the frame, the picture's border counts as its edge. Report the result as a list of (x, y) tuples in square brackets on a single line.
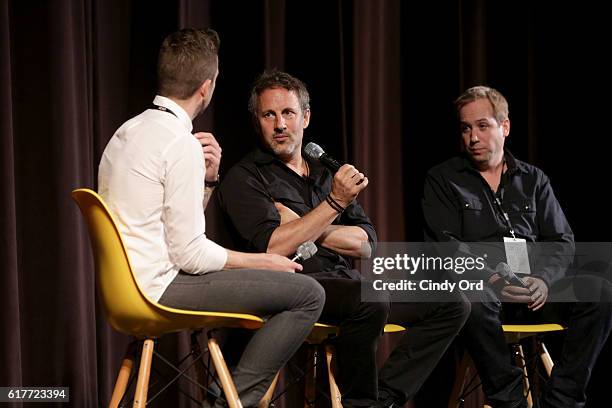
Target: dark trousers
[(361, 325), (588, 323), (431, 328)]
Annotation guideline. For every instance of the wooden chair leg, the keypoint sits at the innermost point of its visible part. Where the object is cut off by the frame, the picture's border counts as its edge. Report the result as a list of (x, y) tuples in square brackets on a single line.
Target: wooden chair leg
[(462, 372), (546, 359), (334, 392), (265, 400), (229, 389), (521, 362), (142, 385), (124, 374)]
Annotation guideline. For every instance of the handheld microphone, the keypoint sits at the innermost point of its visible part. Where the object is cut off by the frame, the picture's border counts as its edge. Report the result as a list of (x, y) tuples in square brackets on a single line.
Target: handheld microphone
[(506, 273), (314, 151), (305, 251)]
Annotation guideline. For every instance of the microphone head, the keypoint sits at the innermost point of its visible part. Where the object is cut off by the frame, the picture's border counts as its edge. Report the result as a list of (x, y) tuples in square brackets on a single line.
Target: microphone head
[(503, 269), (314, 151), (306, 250), (507, 274)]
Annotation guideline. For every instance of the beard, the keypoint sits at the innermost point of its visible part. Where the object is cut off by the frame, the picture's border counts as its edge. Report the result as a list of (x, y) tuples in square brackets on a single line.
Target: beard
[(285, 149)]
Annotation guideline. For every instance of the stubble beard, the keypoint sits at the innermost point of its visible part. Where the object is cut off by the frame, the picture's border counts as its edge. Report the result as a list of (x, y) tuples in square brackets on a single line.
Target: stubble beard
[(286, 149)]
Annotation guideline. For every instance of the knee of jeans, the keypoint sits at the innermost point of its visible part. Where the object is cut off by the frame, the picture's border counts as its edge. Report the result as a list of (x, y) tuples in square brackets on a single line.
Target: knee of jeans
[(461, 310), (310, 296), (479, 310), (377, 311)]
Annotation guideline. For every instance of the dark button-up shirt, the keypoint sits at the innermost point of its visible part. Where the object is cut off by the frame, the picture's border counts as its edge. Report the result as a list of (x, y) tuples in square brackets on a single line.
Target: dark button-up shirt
[(247, 195), (458, 204)]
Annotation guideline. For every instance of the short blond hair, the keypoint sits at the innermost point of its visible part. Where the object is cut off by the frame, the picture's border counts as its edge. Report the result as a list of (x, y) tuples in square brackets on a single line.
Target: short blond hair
[(497, 100)]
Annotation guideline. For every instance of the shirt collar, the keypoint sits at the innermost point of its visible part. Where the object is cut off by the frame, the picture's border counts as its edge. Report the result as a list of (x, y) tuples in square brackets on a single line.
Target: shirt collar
[(176, 109), (262, 157), (513, 164)]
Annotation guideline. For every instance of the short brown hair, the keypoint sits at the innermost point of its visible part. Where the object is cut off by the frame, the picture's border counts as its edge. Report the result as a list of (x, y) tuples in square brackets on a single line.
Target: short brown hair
[(271, 79), (186, 59), (497, 100)]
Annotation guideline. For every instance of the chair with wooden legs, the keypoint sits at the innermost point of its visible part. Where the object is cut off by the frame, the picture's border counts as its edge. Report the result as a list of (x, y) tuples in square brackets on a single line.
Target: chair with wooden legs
[(319, 336), (129, 311), (514, 334)]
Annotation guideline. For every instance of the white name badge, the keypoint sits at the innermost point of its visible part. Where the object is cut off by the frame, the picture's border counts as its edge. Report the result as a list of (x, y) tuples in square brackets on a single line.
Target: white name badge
[(516, 255)]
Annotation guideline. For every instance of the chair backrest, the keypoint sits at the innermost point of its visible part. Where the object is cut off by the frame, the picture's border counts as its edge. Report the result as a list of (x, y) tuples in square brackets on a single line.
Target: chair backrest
[(127, 308)]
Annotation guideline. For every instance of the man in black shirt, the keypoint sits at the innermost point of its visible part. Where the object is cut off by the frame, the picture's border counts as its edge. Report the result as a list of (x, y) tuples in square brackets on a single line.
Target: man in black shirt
[(276, 199), (486, 195)]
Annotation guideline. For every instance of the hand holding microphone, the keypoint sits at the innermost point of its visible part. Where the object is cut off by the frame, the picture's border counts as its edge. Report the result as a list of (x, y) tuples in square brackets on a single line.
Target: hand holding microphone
[(348, 181), (277, 262), (506, 273), (314, 151), (512, 288)]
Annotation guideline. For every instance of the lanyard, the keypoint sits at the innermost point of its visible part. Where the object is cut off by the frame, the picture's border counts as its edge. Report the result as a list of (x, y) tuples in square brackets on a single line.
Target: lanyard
[(503, 212), (497, 199), (163, 109)]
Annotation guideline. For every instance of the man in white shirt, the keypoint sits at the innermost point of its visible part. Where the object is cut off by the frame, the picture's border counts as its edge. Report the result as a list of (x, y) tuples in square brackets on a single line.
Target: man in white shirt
[(157, 177)]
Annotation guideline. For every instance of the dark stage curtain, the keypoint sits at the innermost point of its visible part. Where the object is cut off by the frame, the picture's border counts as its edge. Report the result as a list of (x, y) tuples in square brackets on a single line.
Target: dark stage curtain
[(382, 77)]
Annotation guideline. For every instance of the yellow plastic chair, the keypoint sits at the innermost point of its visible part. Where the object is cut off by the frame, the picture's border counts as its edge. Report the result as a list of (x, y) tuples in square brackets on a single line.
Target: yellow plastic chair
[(129, 311), (514, 334)]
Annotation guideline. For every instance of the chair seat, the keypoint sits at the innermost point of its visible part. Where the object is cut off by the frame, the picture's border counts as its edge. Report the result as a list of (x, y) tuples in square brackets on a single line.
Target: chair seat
[(161, 319), (394, 328), (515, 332), (323, 331)]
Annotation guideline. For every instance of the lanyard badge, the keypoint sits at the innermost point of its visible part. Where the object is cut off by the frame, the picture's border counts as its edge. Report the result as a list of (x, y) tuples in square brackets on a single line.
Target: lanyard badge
[(517, 256)]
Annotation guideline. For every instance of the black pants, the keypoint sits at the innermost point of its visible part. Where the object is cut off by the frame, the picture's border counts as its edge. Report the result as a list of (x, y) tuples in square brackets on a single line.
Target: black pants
[(431, 328), (588, 323)]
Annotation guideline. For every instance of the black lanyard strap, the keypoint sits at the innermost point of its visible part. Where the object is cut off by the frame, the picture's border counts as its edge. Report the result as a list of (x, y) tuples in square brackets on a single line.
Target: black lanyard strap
[(163, 109), (504, 214), (497, 199)]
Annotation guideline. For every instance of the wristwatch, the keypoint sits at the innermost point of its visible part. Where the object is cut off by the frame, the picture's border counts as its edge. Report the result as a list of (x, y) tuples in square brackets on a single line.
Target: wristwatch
[(212, 184)]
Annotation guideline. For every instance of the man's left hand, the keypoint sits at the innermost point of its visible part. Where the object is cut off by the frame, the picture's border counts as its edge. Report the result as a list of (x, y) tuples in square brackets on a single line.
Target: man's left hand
[(212, 154), (539, 292)]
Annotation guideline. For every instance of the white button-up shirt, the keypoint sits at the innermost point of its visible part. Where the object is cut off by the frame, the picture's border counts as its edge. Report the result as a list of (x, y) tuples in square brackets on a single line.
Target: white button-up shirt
[(152, 177)]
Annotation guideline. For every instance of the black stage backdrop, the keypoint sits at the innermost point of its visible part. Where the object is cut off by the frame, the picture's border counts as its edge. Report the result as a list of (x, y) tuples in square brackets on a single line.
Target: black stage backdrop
[(382, 76)]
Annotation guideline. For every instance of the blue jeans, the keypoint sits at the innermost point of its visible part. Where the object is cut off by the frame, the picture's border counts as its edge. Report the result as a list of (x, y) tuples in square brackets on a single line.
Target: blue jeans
[(290, 303)]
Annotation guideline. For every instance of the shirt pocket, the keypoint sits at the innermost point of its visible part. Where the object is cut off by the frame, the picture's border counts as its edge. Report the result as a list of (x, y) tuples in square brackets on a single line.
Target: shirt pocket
[(474, 223), (470, 204), (522, 213)]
